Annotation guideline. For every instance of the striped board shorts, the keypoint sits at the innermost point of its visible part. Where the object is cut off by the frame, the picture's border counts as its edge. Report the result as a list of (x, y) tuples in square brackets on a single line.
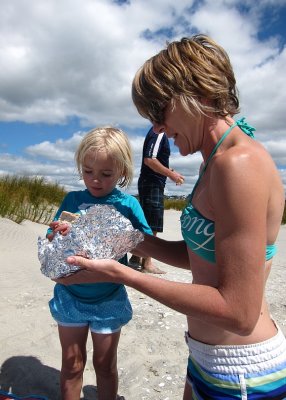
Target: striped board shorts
[(247, 372)]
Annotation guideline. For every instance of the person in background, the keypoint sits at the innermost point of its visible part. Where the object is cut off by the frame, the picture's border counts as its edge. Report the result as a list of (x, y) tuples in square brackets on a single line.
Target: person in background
[(104, 160), (151, 184), (229, 227)]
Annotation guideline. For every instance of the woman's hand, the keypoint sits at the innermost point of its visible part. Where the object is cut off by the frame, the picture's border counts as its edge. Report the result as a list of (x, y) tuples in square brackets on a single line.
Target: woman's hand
[(93, 271)]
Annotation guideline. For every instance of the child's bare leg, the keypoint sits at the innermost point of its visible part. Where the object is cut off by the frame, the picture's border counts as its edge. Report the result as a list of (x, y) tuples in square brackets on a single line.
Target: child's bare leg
[(105, 364), (73, 342)]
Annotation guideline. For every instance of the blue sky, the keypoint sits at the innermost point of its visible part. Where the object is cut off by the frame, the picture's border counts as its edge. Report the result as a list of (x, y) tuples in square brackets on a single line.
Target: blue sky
[(67, 67)]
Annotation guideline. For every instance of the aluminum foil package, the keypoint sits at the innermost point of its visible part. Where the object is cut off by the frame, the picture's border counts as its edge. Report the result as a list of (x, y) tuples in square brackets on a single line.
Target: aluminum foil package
[(103, 232)]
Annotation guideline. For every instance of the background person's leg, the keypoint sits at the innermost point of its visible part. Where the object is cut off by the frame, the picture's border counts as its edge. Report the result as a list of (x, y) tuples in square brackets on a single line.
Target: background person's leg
[(148, 266), (135, 262), (151, 198)]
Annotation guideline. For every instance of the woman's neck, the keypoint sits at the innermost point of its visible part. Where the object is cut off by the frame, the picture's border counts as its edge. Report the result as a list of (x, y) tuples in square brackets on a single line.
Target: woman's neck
[(214, 129)]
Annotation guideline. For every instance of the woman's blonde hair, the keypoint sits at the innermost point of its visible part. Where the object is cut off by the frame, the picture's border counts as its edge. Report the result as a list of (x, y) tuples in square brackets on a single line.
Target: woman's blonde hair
[(190, 70), (115, 143)]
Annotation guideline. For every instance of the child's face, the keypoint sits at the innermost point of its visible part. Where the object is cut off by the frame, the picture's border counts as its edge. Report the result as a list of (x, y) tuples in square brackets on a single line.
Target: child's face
[(99, 173)]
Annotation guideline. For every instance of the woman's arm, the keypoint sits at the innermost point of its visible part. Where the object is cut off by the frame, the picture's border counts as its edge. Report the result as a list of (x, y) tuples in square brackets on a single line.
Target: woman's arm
[(174, 253)]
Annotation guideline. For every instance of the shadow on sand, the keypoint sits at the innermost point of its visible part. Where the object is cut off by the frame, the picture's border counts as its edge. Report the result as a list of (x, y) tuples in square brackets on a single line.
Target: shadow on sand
[(26, 375)]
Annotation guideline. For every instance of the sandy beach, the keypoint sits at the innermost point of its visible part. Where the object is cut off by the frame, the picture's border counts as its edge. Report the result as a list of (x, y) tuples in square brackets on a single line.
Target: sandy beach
[(152, 352)]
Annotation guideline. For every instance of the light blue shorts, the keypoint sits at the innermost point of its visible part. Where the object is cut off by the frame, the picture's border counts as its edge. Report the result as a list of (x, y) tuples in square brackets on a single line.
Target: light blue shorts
[(247, 372), (105, 317)]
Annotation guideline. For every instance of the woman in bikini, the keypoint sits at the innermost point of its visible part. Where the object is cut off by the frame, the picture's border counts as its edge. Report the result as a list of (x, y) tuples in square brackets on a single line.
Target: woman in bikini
[(229, 226)]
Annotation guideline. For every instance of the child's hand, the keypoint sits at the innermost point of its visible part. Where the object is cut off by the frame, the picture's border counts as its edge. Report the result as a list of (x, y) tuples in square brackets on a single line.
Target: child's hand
[(58, 226)]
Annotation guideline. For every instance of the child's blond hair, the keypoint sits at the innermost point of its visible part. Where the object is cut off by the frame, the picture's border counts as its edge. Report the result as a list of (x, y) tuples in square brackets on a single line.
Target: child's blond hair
[(115, 143)]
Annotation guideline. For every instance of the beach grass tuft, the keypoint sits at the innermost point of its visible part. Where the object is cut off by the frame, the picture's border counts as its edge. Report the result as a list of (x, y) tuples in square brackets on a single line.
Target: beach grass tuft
[(29, 198), (175, 204)]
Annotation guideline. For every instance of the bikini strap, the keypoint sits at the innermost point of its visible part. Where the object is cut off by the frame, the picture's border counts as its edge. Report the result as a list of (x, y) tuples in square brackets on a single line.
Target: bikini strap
[(244, 126)]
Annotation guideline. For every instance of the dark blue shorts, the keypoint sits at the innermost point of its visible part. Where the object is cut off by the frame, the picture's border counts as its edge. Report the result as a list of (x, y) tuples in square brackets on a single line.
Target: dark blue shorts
[(151, 198)]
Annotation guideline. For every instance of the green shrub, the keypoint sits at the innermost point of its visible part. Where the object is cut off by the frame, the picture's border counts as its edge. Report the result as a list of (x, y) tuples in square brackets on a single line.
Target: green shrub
[(174, 204), (171, 203)]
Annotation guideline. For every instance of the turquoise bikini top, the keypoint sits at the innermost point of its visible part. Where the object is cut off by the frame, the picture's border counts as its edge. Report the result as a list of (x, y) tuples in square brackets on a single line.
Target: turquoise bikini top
[(198, 231)]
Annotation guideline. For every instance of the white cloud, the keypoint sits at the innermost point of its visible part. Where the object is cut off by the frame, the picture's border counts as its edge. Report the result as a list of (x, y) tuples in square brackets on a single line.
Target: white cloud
[(68, 58), (61, 150), (277, 148), (72, 58), (79, 58)]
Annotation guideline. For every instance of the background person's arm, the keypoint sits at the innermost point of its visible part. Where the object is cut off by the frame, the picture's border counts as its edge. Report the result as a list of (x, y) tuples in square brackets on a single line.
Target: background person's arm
[(158, 167)]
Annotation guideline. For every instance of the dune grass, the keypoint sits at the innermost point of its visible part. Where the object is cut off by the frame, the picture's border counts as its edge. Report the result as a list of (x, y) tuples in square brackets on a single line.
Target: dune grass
[(174, 204), (37, 200), (29, 198)]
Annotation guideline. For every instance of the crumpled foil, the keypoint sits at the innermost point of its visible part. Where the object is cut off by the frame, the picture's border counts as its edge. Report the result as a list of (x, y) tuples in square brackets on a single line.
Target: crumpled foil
[(103, 232)]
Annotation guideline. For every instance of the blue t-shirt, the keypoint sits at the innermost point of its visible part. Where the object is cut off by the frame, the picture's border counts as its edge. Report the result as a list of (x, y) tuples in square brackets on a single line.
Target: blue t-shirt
[(127, 205), (155, 146)]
